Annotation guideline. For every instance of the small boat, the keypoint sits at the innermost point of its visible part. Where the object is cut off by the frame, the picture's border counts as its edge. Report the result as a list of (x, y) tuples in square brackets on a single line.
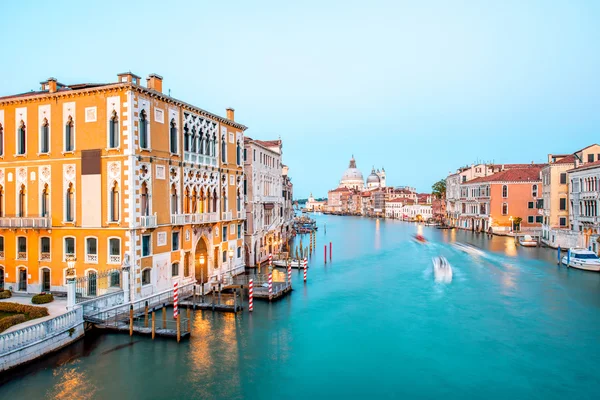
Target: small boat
[(469, 249), (283, 263), (582, 259), (420, 239), (442, 270), (528, 241)]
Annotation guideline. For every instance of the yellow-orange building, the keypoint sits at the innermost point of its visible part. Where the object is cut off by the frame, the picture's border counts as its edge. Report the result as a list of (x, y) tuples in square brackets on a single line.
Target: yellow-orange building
[(117, 174)]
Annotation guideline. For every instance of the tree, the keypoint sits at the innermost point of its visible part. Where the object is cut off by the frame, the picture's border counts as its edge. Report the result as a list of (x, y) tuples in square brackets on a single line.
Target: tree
[(439, 189), (517, 223)]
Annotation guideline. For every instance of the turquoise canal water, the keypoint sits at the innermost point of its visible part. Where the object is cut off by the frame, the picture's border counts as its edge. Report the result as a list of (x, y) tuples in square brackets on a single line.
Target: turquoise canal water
[(370, 324)]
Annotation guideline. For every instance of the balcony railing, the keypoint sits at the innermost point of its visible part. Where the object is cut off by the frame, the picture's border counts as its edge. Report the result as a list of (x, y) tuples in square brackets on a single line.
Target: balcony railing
[(227, 216), (25, 222), (200, 159), (241, 215), (114, 259), (196, 218), (21, 255), (91, 258), (147, 221), (45, 256), (2, 255)]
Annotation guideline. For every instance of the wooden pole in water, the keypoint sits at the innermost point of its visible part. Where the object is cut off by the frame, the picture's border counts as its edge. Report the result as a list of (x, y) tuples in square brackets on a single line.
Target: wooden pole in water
[(130, 320), (558, 255), (189, 317), (146, 315), (178, 328), (153, 323), (325, 253), (194, 298), (164, 317)]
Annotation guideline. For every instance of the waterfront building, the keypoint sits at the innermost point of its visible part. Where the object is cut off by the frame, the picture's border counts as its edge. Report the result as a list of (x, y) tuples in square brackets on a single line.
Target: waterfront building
[(495, 201), (452, 198), (556, 227), (313, 205), (352, 177), (117, 174), (268, 212), (584, 199), (376, 179), (288, 204)]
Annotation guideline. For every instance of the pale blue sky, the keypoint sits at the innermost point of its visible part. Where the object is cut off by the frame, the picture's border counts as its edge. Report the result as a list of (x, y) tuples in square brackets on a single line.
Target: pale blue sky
[(420, 87)]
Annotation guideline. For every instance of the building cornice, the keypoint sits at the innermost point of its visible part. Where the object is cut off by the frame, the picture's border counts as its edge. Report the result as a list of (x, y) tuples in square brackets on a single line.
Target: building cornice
[(25, 98)]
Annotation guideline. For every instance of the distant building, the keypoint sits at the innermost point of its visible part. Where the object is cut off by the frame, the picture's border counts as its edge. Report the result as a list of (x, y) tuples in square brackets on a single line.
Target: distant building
[(584, 198)]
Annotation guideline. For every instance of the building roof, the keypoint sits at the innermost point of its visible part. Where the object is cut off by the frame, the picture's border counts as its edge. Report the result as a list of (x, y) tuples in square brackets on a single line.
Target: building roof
[(395, 201), (585, 148), (340, 189), (586, 166), (530, 174), (570, 159), (269, 143)]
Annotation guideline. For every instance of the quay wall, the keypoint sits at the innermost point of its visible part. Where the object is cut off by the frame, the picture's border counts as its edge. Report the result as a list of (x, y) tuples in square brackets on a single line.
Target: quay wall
[(29, 343)]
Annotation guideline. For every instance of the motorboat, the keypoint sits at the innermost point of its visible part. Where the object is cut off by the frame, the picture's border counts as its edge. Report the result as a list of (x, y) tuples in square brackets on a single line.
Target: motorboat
[(284, 263), (528, 241), (420, 239), (442, 270), (469, 249), (582, 259)]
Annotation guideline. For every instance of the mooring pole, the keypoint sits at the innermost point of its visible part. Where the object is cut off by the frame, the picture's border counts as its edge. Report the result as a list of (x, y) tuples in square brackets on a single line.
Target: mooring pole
[(131, 320), (558, 255), (325, 253), (189, 317), (178, 328), (146, 315), (153, 323), (164, 317), (330, 250)]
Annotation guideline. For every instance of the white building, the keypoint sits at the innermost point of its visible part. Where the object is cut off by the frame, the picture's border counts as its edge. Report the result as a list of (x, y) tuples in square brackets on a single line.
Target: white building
[(265, 204), (313, 205), (584, 198), (409, 212)]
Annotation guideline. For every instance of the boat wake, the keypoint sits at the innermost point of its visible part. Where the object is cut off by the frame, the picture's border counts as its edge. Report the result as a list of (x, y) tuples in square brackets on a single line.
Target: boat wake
[(442, 270)]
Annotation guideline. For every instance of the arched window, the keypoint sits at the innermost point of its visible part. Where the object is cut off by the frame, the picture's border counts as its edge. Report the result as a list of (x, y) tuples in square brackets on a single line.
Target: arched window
[(143, 130), (69, 249), (504, 191), (146, 277), (45, 201), (239, 201), (114, 251), (214, 199), (186, 139), (70, 204), (194, 201), (1, 140), (114, 203), (21, 248), (173, 137), (202, 141), (174, 208), (44, 248), (238, 153), (21, 138), (91, 250), (194, 138), (22, 202), (224, 200), (145, 211), (187, 201), (69, 135), (45, 137), (504, 208), (223, 149), (534, 190), (113, 131), (213, 151), (45, 279), (175, 269)]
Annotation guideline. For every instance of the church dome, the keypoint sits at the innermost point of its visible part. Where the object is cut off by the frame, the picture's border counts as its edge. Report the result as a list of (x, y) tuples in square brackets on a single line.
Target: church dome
[(373, 178), (352, 176)]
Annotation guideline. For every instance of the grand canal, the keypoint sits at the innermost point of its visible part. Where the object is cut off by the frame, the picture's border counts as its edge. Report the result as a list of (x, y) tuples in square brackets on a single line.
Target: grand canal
[(370, 324)]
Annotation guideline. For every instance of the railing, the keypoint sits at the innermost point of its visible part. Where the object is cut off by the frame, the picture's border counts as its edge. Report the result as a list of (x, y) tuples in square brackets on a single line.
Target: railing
[(25, 222), (44, 256), (31, 334), (200, 159), (147, 221), (91, 258), (241, 215), (114, 259), (196, 218), (227, 216), (2, 254), (97, 284), (22, 255), (121, 312)]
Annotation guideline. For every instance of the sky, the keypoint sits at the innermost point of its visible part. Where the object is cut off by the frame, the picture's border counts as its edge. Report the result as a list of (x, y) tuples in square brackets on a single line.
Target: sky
[(418, 87)]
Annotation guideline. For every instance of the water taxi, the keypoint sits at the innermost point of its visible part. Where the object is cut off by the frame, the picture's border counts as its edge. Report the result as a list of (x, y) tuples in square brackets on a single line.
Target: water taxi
[(582, 259), (442, 270), (528, 241), (420, 239), (469, 249), (284, 263)]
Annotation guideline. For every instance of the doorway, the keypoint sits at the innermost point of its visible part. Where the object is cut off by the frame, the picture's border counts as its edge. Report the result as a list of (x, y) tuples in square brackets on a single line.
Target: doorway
[(22, 280), (201, 268), (45, 280)]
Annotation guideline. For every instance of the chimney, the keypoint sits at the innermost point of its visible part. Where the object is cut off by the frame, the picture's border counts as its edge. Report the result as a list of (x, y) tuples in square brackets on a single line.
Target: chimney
[(230, 114), (154, 82), (51, 86), (577, 162)]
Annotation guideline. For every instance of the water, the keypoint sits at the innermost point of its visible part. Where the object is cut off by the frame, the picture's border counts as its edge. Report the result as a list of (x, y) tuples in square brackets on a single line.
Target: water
[(371, 324)]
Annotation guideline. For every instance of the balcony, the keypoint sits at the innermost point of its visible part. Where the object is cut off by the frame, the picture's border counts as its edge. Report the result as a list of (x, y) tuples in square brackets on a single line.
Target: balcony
[(2, 255), (589, 195), (241, 215), (25, 222), (200, 159), (91, 258), (147, 221), (114, 259), (588, 219), (196, 218), (227, 216), (268, 199), (45, 256), (21, 255)]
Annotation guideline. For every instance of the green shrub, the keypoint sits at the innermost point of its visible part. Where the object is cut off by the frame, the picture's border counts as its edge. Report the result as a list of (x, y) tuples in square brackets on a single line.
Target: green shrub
[(7, 322), (5, 294), (30, 311), (42, 298)]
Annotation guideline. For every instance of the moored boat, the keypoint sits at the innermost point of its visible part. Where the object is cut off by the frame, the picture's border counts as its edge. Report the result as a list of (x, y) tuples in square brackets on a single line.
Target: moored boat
[(527, 241), (582, 259), (284, 263)]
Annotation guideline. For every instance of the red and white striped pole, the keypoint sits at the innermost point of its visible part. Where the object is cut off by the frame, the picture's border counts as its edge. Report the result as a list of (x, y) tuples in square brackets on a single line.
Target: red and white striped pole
[(270, 260), (175, 300), (290, 273), (305, 264), (251, 295), (270, 286)]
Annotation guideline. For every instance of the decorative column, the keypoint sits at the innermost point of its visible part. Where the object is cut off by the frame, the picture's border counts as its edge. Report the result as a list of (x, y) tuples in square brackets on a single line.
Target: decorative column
[(71, 292)]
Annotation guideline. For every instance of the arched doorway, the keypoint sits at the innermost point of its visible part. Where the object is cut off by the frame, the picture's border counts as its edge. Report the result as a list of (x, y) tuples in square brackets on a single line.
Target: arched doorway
[(1, 278), (45, 279), (22, 279), (201, 269)]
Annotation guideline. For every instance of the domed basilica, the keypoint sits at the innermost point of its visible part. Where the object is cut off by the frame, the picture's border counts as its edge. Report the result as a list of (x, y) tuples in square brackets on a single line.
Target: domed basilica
[(353, 178)]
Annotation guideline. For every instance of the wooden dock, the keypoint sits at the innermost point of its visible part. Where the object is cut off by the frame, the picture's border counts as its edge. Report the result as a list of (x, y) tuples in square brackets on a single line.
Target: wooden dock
[(141, 330)]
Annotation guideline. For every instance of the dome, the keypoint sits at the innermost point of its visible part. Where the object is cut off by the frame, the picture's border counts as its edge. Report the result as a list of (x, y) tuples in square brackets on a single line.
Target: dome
[(373, 178), (352, 177)]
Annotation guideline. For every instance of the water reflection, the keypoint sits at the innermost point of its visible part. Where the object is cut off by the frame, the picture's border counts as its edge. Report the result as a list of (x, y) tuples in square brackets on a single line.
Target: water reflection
[(72, 384)]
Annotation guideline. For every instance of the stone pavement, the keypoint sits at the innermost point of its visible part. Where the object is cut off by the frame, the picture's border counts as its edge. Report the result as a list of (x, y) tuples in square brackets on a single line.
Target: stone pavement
[(55, 308)]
